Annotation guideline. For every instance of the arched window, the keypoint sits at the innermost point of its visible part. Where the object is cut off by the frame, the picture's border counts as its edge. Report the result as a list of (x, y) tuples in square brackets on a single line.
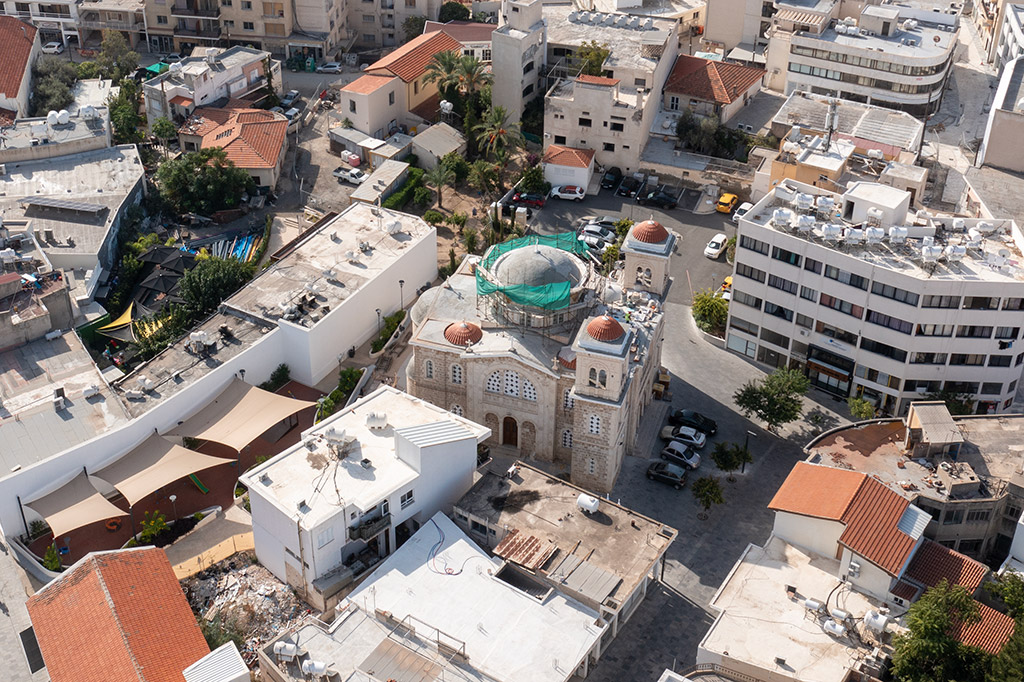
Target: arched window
[(602, 378), (511, 383), (529, 390), (567, 400), (592, 380), (456, 374), (640, 274), (595, 424), (456, 410), (428, 369), (567, 438), (494, 383), (647, 274)]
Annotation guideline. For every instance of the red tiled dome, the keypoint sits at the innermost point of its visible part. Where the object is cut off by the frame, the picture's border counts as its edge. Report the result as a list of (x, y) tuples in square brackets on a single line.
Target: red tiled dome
[(650, 232), (463, 333), (605, 328)]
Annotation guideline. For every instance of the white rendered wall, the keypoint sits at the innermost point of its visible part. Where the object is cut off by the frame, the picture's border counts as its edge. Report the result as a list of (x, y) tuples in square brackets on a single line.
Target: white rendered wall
[(820, 536)]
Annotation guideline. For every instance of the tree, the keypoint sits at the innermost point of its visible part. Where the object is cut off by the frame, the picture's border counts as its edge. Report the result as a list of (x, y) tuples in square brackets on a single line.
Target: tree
[(482, 177), (1009, 587), (164, 130), (860, 408), (591, 57), (437, 177), (729, 457), (775, 399), (153, 523), (610, 255), (203, 182), (532, 181), (413, 26), (271, 99), (956, 403), (51, 560), (929, 651), (497, 133), (124, 114), (52, 88), (1008, 665), (211, 281), (453, 11), (116, 59), (708, 492), (457, 164), (470, 239), (710, 312), (473, 77), (443, 69)]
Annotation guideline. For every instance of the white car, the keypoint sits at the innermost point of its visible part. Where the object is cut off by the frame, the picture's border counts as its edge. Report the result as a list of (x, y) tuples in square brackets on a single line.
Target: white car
[(678, 453), (329, 67), (716, 247), (738, 213), (353, 175), (605, 221), (594, 242), (53, 48), (571, 192), (291, 114), (687, 435), (603, 233)]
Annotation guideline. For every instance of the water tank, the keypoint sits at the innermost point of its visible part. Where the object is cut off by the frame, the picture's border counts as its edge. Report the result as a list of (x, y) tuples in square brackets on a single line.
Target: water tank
[(841, 29), (832, 231), (393, 227), (803, 202), (88, 112), (955, 252), (790, 147), (874, 235), (959, 224), (825, 204), (63, 117), (930, 254), (876, 154), (974, 238), (781, 217), (175, 67), (52, 118), (784, 192), (854, 236), (285, 650), (911, 24), (835, 629), (875, 214), (985, 227), (588, 503), (812, 604), (839, 614), (804, 223), (898, 235), (377, 420), (311, 667), (876, 621)]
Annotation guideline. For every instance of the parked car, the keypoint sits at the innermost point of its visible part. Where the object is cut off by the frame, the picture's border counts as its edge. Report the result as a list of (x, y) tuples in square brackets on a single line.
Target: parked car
[(535, 200), (694, 420), (291, 114), (725, 291), (54, 47), (741, 211), (611, 178), (602, 232), (716, 247), (665, 472), (678, 453), (594, 242), (509, 211), (657, 197), (329, 67), (173, 57), (289, 98), (571, 192), (629, 186), (605, 221), (687, 435), (726, 203), (278, 110), (353, 175)]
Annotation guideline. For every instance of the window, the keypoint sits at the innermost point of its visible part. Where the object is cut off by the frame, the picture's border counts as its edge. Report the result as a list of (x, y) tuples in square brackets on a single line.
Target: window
[(804, 321), (616, 127), (743, 325), (786, 256), (584, 122), (970, 387), (225, 3), (486, 54), (754, 244), (845, 277), (567, 438), (973, 331), (457, 410), (228, 23), (940, 302), (494, 383), (836, 333), (591, 465), (774, 338), (928, 358), (559, 139), (935, 330), (595, 424), (352, 106), (248, 26), (609, 147), (744, 270), (477, 527), (456, 374), (746, 299), (901, 295), (780, 283), (1013, 304), (812, 265), (161, 19), (407, 499), (529, 391), (953, 517), (673, 103), (511, 383), (877, 377), (883, 349), (528, 68), (415, 87), (991, 388), (842, 306), (568, 402), (640, 82), (969, 546), (391, 98), (428, 369), (1007, 333), (324, 536), (923, 386), (369, 38), (967, 359), (778, 311), (882, 320), (410, 3), (980, 303), (246, 4)]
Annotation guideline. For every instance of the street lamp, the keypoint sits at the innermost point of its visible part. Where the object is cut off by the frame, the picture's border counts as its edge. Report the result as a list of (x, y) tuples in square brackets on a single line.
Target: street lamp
[(378, 321), (401, 294), (174, 506), (746, 442)]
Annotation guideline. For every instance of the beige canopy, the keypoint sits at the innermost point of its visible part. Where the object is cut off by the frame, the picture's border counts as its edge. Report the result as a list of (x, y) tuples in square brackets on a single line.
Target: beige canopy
[(153, 464), (73, 505), (239, 414)]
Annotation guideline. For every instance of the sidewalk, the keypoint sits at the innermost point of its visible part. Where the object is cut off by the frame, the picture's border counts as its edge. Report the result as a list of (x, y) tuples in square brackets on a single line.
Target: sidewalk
[(227, 534)]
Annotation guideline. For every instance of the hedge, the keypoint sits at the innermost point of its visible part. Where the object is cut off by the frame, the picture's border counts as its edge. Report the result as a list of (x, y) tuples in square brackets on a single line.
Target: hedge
[(403, 194)]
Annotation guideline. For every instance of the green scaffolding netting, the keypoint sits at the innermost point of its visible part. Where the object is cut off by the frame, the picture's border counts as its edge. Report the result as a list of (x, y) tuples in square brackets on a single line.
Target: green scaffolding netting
[(548, 296)]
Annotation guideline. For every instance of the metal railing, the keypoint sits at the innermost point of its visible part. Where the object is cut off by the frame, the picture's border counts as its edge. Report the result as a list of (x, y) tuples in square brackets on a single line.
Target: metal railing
[(193, 12), (718, 670), (367, 530)]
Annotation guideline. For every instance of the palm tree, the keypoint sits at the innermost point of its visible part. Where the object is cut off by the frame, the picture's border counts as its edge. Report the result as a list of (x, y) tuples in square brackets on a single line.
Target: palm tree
[(472, 76), (437, 177), (496, 132), (444, 69)]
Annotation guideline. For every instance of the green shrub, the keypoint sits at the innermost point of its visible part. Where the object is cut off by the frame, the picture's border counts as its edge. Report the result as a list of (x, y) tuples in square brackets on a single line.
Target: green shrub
[(37, 528), (412, 160), (421, 196), (153, 523), (348, 378), (622, 227), (391, 323), (455, 162), (198, 516), (433, 217), (457, 220), (278, 378), (404, 194), (51, 560), (532, 181)]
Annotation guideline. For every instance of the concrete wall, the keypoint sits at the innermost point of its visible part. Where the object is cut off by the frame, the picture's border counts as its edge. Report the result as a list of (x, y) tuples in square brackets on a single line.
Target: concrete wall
[(374, 111), (820, 536), (731, 22), (598, 104), (568, 175), (872, 579)]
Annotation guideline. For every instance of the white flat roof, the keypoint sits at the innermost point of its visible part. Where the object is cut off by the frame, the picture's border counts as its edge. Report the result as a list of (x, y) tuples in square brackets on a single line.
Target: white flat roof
[(297, 473), (441, 578)]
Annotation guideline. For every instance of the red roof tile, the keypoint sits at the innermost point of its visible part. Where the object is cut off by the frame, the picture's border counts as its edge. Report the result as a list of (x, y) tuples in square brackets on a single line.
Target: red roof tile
[(16, 39), (933, 563), (410, 60), (989, 634), (252, 138), (181, 100), (819, 491), (568, 156), (871, 526), (605, 328), (905, 591), (709, 80), (596, 80), (463, 31), (367, 83), (116, 617)]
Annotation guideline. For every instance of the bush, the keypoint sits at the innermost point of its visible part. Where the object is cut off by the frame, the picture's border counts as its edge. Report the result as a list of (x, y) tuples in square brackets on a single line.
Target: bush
[(710, 312), (412, 160), (471, 239), (622, 227), (51, 560), (198, 516), (453, 11), (348, 379), (391, 323), (434, 217), (278, 378), (457, 220), (402, 196), (860, 407), (421, 196), (454, 162), (532, 181)]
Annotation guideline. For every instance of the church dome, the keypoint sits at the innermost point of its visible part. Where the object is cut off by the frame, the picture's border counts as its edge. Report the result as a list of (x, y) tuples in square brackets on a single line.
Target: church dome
[(605, 328), (462, 333), (650, 232), (538, 265)]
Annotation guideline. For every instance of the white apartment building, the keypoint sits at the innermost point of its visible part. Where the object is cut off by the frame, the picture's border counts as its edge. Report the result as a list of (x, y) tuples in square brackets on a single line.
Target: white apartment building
[(896, 56), (518, 52), (1011, 36), (56, 20), (356, 487), (743, 24), (1003, 141), (868, 300)]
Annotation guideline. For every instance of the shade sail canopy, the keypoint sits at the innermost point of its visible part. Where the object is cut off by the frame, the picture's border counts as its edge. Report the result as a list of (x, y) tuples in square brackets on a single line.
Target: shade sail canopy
[(73, 505), (152, 465), (239, 414)]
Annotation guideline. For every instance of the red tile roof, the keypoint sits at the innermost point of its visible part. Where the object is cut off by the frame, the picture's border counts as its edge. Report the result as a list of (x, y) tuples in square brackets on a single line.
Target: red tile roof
[(819, 491), (709, 80), (181, 100), (989, 634), (367, 83), (596, 80), (463, 31), (933, 563), (410, 60), (252, 138), (16, 39), (871, 526), (116, 617), (569, 156), (905, 591)]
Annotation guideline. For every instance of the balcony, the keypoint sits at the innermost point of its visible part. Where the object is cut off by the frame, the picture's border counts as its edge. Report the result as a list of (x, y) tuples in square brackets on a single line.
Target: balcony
[(93, 20), (387, 23), (192, 12), (197, 32), (368, 529)]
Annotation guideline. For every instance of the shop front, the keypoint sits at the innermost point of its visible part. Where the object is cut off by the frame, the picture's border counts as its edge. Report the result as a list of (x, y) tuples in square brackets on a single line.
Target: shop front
[(829, 372)]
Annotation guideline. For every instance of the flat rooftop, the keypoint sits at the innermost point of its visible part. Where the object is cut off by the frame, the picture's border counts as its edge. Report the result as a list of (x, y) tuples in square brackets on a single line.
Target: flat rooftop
[(1002, 192), (93, 92), (626, 36), (760, 624), (192, 67), (26, 130), (863, 121), (331, 264), (994, 257), (931, 41), (1011, 85), (30, 428), (665, 9), (615, 539), (295, 474), (992, 452)]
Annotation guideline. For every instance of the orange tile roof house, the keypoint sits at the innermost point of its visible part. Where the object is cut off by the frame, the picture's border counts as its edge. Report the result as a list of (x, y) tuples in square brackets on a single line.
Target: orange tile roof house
[(116, 616), (19, 48), (409, 62), (254, 139), (568, 165), (708, 87)]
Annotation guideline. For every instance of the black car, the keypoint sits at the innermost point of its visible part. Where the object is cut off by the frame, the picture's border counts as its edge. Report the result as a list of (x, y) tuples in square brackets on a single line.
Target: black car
[(629, 187), (672, 474), (694, 420), (611, 178), (657, 198)]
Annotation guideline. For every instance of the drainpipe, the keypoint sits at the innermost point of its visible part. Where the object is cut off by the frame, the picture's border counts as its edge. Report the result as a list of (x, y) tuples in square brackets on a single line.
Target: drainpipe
[(302, 559)]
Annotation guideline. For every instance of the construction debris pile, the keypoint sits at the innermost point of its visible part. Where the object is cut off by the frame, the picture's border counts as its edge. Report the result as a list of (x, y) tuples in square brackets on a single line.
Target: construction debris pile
[(247, 598)]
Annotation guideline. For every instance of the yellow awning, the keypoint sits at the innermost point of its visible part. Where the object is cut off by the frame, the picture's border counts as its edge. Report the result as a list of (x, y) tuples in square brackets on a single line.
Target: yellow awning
[(125, 318)]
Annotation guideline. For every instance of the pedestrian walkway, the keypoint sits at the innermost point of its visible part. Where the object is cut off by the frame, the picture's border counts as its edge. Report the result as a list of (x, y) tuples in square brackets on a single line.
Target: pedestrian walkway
[(13, 621), (227, 534)]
